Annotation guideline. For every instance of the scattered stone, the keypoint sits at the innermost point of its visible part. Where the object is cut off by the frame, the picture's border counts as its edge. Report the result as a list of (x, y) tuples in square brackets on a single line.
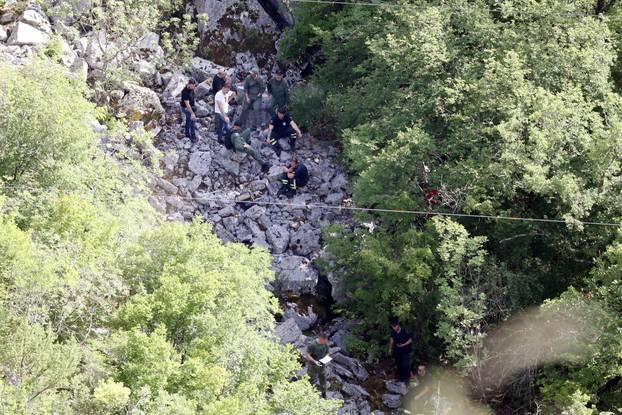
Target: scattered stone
[(334, 198), (36, 20), (353, 390), (297, 276), (226, 211), (202, 69), (353, 366), (288, 331), (24, 34), (396, 387), (200, 163), (305, 240), (278, 237), (255, 212), (175, 85), (141, 104), (167, 186), (391, 400), (304, 321), (348, 408), (170, 162)]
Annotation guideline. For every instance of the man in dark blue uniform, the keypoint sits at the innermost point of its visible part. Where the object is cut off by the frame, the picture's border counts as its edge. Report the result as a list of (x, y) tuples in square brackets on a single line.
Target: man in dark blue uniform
[(400, 346)]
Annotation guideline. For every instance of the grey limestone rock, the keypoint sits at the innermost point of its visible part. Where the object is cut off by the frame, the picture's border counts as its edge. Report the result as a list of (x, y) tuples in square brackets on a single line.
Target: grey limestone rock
[(25, 34), (297, 276), (200, 162), (288, 331), (392, 400), (278, 237)]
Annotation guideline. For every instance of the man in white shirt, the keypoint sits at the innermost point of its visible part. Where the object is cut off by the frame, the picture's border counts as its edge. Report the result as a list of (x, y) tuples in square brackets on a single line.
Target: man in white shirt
[(222, 110)]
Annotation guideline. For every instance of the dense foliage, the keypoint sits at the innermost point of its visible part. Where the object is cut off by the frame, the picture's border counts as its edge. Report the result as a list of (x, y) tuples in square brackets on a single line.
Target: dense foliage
[(506, 108), (104, 307)]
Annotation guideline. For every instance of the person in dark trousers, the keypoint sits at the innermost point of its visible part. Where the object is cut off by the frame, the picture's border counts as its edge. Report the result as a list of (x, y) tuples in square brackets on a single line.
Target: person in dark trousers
[(295, 175), (400, 346), (278, 88), (316, 351), (241, 141), (219, 81), (282, 126), (188, 108), (254, 87)]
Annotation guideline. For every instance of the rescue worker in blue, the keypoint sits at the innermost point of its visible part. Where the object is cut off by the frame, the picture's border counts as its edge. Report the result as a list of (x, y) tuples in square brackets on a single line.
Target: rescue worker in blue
[(282, 126)]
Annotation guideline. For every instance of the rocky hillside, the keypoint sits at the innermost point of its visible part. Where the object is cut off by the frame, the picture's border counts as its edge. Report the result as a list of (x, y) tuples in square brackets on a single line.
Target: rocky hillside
[(206, 181)]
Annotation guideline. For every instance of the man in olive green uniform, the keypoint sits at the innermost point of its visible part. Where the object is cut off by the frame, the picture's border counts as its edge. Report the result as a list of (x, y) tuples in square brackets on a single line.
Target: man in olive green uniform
[(278, 88), (254, 87), (241, 141), (317, 371)]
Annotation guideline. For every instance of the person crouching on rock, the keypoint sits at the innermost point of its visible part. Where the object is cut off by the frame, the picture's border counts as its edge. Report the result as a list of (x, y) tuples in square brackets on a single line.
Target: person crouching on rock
[(241, 141), (282, 126), (317, 351), (222, 110), (187, 107), (295, 175)]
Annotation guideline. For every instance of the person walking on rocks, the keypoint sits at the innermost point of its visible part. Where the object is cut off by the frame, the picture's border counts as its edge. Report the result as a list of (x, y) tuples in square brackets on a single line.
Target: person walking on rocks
[(254, 87), (316, 351), (278, 88), (223, 111), (188, 108), (241, 141), (295, 175), (219, 81), (282, 126), (400, 346)]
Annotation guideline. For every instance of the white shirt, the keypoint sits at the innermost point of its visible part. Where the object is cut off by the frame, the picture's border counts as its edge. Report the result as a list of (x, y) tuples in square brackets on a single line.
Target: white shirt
[(224, 100)]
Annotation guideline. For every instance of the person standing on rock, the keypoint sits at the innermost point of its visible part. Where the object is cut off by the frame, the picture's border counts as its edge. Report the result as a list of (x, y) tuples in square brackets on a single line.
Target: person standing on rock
[(400, 346), (188, 108), (295, 175), (222, 110), (254, 87), (282, 126), (241, 141), (278, 88), (317, 351), (219, 81)]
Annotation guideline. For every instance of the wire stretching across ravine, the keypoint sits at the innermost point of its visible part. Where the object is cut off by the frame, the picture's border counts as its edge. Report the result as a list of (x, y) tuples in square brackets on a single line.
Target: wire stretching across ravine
[(212, 197)]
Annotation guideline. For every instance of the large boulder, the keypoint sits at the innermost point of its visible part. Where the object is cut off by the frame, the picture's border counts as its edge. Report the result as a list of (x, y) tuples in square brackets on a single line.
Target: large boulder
[(3, 34), (297, 276), (233, 26), (391, 400), (288, 331), (175, 85), (278, 237), (352, 365), (305, 240), (304, 319), (25, 34), (141, 104), (37, 20), (202, 69)]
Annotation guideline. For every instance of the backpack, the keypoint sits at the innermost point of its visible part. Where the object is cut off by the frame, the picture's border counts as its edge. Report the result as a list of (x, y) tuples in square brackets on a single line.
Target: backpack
[(227, 140)]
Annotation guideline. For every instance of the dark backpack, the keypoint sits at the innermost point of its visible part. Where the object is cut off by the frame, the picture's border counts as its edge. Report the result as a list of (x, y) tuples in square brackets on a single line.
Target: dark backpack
[(227, 140)]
